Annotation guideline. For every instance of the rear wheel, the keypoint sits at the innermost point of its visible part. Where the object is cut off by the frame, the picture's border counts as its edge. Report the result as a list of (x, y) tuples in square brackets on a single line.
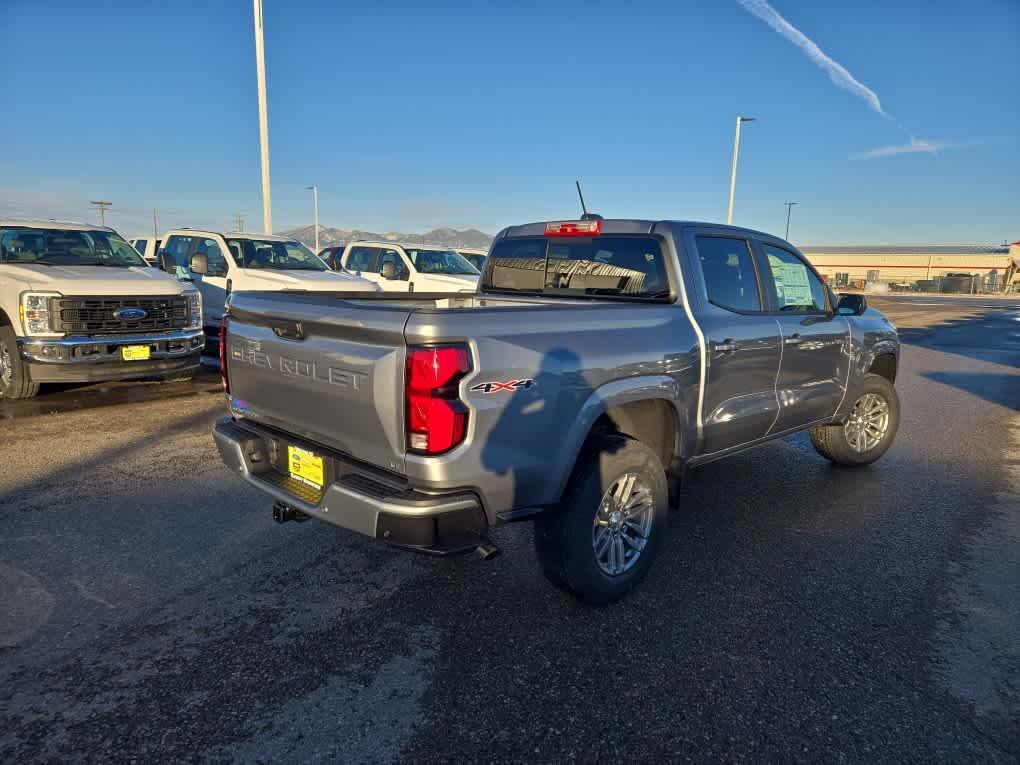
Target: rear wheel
[(603, 541), (869, 429), (15, 381)]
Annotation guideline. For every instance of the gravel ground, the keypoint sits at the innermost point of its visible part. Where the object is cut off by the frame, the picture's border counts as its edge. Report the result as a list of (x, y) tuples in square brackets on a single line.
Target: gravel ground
[(151, 609)]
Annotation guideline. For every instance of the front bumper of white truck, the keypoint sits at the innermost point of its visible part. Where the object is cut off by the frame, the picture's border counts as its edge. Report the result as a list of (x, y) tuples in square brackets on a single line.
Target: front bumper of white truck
[(102, 357)]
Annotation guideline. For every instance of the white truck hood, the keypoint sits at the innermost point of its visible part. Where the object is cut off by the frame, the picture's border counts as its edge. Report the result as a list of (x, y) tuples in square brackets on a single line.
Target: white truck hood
[(93, 280), (331, 281), (451, 282)]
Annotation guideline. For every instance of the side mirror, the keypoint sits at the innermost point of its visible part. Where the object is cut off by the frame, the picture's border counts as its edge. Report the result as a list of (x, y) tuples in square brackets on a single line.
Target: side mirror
[(166, 262), (389, 270), (200, 263), (851, 305)]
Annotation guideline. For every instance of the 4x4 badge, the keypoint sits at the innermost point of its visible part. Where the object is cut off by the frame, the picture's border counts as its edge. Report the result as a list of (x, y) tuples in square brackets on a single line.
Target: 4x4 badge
[(497, 387)]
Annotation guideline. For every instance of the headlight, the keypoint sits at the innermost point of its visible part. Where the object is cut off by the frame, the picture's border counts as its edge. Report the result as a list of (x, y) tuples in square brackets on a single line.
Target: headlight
[(194, 310), (35, 313)]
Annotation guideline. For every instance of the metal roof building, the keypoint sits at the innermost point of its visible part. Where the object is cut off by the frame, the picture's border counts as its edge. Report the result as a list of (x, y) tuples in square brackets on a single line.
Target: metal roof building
[(905, 264)]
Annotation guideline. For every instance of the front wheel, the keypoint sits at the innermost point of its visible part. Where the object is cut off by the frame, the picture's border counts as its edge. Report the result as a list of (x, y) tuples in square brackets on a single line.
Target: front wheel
[(15, 381), (603, 541), (869, 429)]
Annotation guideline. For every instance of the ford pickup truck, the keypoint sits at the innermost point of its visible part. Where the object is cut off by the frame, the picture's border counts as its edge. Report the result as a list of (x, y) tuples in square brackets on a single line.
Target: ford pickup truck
[(599, 360), (217, 263), (78, 304)]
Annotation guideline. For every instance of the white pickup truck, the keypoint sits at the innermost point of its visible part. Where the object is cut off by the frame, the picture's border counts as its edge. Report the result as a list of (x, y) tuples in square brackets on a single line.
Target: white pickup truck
[(220, 263), (78, 304), (148, 248), (410, 267)]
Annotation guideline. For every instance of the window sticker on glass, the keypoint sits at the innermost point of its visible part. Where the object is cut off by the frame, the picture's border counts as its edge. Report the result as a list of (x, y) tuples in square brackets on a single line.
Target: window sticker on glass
[(791, 282)]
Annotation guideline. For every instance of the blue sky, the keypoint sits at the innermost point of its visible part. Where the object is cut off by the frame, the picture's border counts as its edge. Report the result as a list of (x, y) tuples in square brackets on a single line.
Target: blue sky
[(415, 115)]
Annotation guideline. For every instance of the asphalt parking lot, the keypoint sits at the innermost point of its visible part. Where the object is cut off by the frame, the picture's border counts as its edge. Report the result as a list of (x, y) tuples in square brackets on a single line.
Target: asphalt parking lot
[(151, 609)]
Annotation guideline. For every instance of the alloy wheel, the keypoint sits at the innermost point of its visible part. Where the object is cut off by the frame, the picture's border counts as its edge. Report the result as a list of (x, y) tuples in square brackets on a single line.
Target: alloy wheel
[(868, 422), (623, 524)]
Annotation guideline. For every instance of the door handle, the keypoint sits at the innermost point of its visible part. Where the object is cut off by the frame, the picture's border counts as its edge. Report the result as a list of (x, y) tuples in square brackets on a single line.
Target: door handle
[(726, 346), (793, 340)]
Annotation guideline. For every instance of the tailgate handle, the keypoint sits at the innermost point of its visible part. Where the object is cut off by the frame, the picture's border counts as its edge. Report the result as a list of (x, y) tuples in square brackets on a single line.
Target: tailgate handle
[(289, 330)]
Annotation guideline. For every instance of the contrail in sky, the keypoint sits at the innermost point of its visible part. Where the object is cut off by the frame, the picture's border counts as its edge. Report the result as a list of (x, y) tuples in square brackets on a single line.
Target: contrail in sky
[(836, 71)]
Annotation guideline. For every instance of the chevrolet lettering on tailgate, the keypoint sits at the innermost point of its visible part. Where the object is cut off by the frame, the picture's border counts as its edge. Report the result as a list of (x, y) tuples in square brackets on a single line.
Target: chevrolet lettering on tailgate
[(250, 352)]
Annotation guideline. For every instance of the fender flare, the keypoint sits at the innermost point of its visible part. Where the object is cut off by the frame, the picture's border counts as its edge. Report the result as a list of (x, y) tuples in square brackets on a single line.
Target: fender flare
[(615, 393)]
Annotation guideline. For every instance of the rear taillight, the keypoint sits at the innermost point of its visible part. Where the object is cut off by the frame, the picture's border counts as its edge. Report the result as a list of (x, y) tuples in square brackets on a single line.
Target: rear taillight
[(436, 418), (574, 228), (223, 355)]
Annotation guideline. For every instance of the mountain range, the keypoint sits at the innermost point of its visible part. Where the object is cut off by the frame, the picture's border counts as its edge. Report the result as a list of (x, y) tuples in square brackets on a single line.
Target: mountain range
[(441, 237)]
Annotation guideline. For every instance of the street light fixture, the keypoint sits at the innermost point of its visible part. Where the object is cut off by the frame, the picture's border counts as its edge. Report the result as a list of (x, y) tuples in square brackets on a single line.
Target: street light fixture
[(789, 207), (733, 177), (315, 205)]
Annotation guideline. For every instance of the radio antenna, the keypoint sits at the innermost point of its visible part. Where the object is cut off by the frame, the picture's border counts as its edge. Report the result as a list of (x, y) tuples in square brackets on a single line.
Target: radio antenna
[(583, 208)]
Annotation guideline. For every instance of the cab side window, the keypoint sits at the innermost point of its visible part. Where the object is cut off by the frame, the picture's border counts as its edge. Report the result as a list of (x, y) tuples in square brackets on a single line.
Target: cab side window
[(217, 263), (728, 268), (798, 289), (360, 259), (392, 256)]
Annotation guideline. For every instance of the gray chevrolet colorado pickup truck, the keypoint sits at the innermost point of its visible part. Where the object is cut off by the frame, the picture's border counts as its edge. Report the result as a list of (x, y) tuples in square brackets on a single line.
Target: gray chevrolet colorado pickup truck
[(599, 360)]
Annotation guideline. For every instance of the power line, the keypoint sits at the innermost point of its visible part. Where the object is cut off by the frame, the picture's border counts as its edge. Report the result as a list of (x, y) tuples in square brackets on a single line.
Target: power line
[(101, 205)]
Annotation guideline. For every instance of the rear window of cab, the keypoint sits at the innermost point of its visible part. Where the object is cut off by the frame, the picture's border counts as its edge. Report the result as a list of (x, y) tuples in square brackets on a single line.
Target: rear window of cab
[(626, 267)]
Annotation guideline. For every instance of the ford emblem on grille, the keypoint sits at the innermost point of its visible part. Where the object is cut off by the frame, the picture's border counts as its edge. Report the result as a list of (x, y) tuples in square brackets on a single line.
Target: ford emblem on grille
[(130, 314)]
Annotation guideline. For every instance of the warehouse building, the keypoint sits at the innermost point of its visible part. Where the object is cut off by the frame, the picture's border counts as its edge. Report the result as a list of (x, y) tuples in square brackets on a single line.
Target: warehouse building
[(937, 267)]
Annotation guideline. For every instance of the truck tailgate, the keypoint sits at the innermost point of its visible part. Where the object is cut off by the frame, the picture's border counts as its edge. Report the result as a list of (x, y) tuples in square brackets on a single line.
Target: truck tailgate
[(327, 370)]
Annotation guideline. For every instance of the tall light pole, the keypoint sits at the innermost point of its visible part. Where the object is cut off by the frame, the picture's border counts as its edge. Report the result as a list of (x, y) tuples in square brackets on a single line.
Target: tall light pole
[(733, 177), (260, 68), (789, 206), (315, 205), (101, 205)]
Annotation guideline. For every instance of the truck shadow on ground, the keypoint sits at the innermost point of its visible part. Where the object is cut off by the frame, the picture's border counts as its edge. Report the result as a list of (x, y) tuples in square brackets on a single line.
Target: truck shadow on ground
[(996, 388)]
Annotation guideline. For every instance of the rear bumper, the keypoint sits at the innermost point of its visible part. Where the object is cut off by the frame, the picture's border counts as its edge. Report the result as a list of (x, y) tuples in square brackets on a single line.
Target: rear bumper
[(94, 359), (356, 498)]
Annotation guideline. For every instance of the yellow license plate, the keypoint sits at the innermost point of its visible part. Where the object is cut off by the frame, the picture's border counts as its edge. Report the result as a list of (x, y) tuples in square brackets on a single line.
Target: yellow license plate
[(305, 465), (135, 352)]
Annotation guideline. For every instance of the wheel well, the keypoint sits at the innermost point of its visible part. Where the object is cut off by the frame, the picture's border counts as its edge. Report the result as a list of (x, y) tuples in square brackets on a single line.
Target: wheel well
[(653, 422), (884, 365)]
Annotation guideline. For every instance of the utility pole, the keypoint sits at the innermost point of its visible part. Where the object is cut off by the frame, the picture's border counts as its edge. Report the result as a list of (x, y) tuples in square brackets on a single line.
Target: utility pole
[(733, 176), (789, 207), (260, 70), (315, 204), (101, 205), (155, 230), (238, 223)]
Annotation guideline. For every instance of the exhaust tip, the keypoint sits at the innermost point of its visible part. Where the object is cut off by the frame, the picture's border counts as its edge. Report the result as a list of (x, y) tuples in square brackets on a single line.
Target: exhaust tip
[(487, 550)]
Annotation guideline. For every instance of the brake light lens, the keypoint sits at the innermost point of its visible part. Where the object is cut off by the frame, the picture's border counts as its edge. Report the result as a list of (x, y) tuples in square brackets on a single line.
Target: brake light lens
[(223, 355), (574, 228), (436, 418)]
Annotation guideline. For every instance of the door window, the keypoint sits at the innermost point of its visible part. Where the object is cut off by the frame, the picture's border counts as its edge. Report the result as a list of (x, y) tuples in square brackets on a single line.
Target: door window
[(140, 245), (797, 288), (392, 256), (214, 255), (728, 268), (360, 259)]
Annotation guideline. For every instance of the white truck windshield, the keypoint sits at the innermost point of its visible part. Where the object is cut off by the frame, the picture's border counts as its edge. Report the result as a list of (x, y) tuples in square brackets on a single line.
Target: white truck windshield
[(440, 262), (271, 254), (62, 247)]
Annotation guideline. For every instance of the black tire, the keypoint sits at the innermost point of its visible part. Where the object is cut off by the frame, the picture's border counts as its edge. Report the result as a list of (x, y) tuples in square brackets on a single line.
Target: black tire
[(564, 541), (15, 381), (831, 441)]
